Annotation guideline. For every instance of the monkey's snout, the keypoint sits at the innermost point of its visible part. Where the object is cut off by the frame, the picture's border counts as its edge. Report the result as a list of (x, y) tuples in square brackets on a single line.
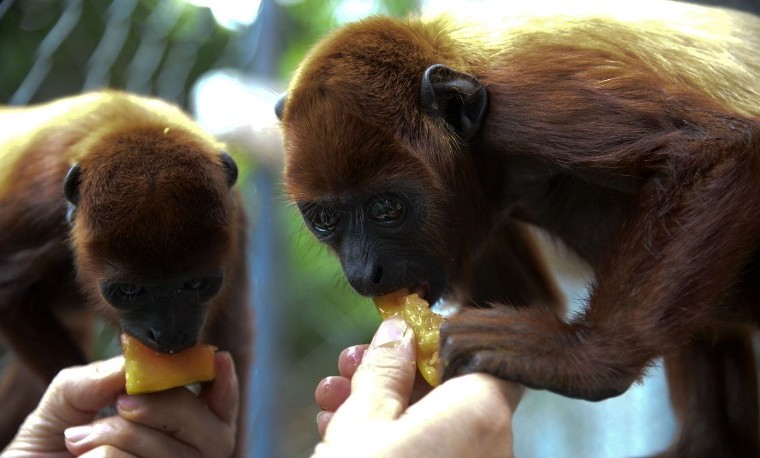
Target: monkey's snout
[(169, 342)]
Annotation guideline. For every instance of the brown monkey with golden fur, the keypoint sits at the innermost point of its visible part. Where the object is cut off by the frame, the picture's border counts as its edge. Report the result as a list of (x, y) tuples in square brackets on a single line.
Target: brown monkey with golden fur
[(119, 204), (414, 147)]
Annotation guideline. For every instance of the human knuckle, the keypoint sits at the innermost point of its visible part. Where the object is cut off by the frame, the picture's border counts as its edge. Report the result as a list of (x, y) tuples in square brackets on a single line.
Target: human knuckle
[(119, 431)]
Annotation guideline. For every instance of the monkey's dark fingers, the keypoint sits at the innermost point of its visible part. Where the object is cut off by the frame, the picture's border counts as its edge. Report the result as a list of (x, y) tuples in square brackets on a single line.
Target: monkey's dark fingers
[(531, 346)]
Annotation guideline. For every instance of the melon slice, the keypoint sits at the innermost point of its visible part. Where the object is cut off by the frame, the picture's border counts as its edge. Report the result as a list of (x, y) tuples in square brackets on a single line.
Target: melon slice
[(426, 324), (148, 370)]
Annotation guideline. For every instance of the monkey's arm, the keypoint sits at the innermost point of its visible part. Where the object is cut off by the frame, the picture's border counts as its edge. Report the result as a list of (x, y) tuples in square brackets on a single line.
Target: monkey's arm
[(30, 281), (36, 271), (664, 279)]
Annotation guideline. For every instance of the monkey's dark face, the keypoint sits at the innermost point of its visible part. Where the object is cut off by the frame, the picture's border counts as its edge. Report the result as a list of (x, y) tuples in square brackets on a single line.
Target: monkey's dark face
[(383, 180), (379, 239), (167, 315), (370, 199), (151, 232)]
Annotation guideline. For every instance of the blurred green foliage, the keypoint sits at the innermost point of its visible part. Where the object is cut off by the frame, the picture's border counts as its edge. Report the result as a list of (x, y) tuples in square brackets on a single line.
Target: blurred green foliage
[(312, 19)]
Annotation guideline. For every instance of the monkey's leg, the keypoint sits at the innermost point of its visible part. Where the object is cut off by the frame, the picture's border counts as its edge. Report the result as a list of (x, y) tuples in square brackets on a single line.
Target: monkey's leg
[(20, 390), (713, 390), (33, 283)]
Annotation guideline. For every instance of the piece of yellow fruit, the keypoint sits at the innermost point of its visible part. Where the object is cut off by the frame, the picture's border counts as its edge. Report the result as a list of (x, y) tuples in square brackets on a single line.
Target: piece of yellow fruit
[(148, 370), (426, 324)]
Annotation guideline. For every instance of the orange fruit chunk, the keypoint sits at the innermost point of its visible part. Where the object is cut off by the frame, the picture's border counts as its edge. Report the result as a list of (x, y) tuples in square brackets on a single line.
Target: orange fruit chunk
[(148, 370), (427, 329)]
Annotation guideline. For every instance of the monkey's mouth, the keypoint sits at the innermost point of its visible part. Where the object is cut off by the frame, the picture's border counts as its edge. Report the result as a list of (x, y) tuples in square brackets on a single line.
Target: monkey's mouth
[(420, 290), (438, 302), (398, 294)]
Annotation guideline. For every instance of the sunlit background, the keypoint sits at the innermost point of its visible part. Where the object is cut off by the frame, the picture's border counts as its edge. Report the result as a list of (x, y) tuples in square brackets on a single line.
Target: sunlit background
[(226, 62)]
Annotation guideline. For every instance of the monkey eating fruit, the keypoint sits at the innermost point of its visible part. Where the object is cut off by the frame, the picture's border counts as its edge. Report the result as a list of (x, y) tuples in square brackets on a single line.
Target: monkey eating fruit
[(117, 206), (148, 370), (426, 152), (426, 324)]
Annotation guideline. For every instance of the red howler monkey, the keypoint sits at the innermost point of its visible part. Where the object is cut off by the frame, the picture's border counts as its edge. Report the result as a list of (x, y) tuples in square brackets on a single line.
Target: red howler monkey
[(119, 203), (414, 145)]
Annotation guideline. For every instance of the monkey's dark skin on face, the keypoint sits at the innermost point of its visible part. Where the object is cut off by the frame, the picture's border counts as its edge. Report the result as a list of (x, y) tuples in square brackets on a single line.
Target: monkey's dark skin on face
[(117, 205), (419, 149)]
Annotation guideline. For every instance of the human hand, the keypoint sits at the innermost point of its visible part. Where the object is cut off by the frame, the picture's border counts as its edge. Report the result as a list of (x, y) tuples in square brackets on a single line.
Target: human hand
[(367, 411), (170, 423)]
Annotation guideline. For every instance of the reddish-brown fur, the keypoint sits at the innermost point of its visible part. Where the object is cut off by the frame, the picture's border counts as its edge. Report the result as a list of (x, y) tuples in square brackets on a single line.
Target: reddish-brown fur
[(184, 216), (613, 136)]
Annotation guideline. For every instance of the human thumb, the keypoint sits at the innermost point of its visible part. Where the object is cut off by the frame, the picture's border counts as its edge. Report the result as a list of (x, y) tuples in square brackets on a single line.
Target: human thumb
[(382, 384)]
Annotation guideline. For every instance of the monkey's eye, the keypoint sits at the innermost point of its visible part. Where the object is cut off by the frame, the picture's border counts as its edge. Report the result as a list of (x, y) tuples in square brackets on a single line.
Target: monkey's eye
[(121, 294), (196, 284), (202, 289), (128, 290), (385, 208), (323, 220)]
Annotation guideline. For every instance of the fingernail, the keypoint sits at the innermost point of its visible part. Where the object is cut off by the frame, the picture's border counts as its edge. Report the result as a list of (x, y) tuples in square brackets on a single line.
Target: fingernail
[(228, 360), (77, 433), (355, 354), (128, 403), (390, 331)]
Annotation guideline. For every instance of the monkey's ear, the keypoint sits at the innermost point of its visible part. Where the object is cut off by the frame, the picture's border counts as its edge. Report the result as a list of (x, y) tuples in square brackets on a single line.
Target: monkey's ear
[(280, 105), (456, 97), (230, 167), (71, 191), (71, 184)]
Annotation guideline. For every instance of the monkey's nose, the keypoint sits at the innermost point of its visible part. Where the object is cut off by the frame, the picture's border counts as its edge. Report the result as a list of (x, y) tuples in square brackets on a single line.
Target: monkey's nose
[(169, 341), (368, 279), (377, 274)]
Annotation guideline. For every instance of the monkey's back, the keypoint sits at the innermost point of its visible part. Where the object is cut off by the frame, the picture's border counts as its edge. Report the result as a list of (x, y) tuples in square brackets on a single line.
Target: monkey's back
[(712, 50)]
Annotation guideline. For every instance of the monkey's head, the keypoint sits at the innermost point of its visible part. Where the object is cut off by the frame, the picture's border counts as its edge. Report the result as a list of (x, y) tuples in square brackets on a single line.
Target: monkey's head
[(152, 211), (376, 136)]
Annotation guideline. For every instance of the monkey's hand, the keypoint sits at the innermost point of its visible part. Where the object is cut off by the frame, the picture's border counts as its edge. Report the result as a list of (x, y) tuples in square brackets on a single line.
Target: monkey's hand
[(535, 347)]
